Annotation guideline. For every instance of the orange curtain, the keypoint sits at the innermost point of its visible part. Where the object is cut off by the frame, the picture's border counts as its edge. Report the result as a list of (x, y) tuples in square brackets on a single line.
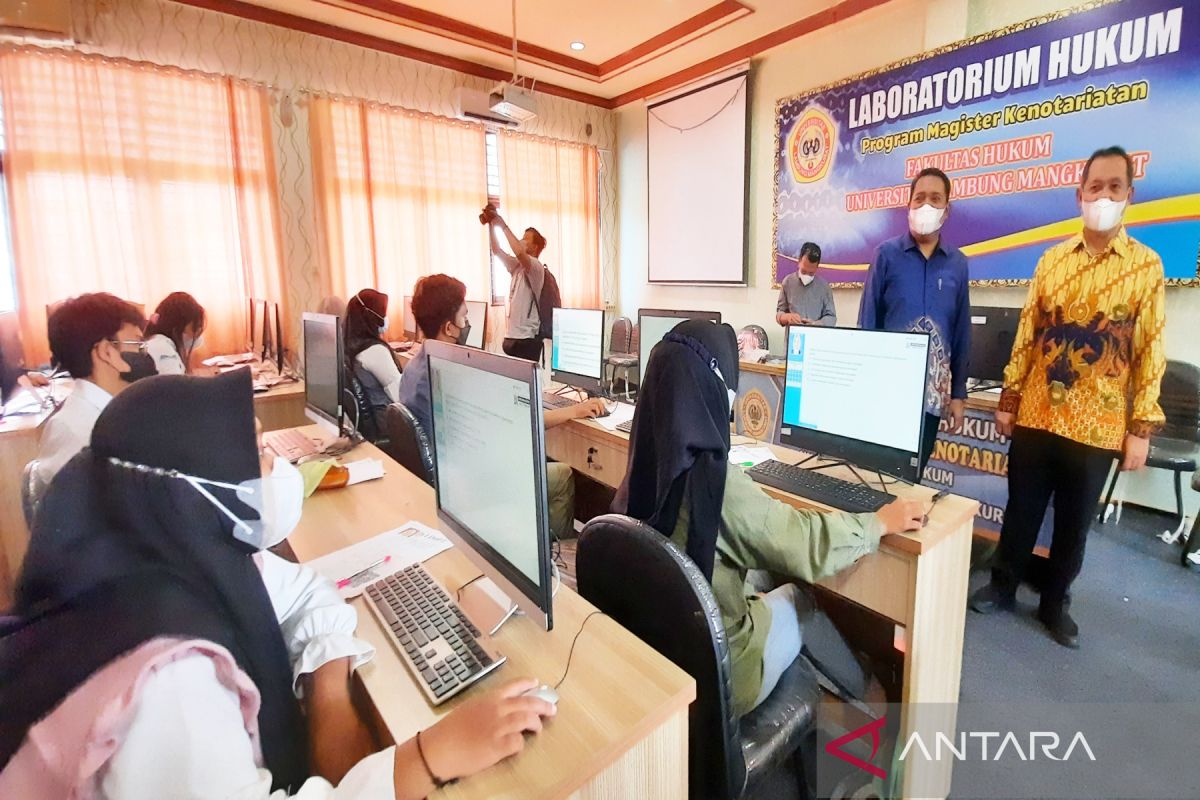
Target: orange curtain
[(398, 196), (554, 186), (138, 180)]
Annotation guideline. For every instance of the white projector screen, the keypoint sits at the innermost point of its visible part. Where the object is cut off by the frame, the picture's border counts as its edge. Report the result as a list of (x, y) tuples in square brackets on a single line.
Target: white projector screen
[(697, 184)]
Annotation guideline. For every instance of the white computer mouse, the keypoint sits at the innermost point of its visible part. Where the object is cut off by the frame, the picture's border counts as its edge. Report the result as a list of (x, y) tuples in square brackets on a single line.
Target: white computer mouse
[(543, 692)]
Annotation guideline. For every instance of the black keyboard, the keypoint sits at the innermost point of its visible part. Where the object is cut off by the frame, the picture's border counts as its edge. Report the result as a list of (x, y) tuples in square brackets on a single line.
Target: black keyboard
[(440, 645), (626, 426), (819, 487), (550, 400)]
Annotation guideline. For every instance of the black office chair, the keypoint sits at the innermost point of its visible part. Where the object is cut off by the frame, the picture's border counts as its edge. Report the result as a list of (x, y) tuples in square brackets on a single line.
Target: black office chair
[(407, 443), (368, 416), (1193, 542), (31, 492), (1177, 446), (642, 580), (762, 342), (618, 342)]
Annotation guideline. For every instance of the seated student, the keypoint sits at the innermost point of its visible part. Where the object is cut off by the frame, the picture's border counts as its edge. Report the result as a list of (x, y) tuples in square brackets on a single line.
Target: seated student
[(176, 329), (440, 307), (157, 650), (97, 338), (366, 351), (681, 483)]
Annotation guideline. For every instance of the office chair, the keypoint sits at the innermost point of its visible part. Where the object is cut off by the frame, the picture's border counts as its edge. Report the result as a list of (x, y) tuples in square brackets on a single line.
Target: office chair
[(31, 492), (642, 580), (625, 361), (762, 342), (407, 443), (370, 404), (1193, 543), (1177, 446)]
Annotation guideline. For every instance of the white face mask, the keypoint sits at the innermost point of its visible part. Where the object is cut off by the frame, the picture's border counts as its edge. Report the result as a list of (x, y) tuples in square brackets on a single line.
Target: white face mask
[(383, 328), (926, 219), (1103, 214), (806, 279), (193, 343), (278, 498)]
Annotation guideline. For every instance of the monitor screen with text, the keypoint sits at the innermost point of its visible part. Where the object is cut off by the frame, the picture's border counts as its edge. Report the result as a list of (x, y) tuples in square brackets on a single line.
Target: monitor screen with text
[(485, 451), (857, 384), (578, 342)]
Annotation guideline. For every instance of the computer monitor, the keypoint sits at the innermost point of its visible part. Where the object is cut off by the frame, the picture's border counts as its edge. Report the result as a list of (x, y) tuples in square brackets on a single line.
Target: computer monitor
[(489, 461), (273, 349), (857, 395), (992, 333), (259, 327), (12, 355), (410, 322), (577, 348), (477, 313), (655, 323), (324, 379)]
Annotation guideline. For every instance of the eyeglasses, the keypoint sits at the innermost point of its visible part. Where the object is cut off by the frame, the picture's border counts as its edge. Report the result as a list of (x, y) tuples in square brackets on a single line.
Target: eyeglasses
[(138, 343)]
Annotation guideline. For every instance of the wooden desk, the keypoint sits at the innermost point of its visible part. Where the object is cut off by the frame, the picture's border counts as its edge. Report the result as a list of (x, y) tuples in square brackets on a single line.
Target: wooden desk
[(621, 727), (280, 407), (918, 581)]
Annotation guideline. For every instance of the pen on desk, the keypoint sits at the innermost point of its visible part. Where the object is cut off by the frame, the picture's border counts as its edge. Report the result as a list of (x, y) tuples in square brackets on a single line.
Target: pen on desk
[(344, 582)]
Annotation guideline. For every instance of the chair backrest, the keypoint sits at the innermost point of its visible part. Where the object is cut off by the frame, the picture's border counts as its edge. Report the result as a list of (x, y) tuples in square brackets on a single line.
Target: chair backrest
[(635, 339), (407, 442), (760, 336), (642, 580), (618, 341), (31, 492), (366, 419), (1180, 400)]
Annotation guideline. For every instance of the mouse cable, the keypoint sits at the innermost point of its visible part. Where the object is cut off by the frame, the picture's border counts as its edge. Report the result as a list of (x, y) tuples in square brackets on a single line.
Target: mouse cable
[(571, 653), (458, 592)]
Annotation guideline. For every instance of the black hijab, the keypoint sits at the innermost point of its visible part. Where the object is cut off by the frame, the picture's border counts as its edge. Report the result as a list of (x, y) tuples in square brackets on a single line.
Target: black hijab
[(679, 446), (365, 313), (120, 556)]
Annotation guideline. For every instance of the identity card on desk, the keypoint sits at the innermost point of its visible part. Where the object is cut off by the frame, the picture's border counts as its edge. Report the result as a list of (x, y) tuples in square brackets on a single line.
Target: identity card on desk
[(353, 567)]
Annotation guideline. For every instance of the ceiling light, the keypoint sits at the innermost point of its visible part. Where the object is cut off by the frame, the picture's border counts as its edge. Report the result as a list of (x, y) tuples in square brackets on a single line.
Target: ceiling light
[(577, 45)]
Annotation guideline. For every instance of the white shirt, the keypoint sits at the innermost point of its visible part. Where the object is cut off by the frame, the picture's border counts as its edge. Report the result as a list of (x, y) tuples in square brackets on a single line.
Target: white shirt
[(187, 738), (166, 357), (379, 361), (69, 429)]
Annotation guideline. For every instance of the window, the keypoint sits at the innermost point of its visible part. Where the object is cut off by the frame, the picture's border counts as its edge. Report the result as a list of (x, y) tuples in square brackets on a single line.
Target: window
[(8, 278), (138, 181), (500, 276)]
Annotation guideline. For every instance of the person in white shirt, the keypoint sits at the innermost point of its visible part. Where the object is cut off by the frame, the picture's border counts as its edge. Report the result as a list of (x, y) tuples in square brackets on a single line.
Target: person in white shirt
[(97, 339), (369, 356), (527, 276), (176, 330), (155, 650)]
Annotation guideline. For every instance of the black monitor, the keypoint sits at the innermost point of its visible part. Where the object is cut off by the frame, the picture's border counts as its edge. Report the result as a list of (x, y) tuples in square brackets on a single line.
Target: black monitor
[(272, 326), (857, 395), (655, 323), (489, 459), (409, 321), (12, 355), (577, 348), (324, 378), (477, 313), (992, 333)]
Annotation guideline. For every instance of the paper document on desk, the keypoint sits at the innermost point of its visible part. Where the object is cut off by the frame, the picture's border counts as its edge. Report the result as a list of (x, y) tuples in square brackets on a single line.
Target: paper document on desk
[(368, 469), (226, 361), (622, 412), (746, 456), (411, 543)]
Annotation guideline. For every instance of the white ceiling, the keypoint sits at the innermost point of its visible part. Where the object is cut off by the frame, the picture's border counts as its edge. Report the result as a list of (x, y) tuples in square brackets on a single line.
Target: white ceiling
[(630, 44)]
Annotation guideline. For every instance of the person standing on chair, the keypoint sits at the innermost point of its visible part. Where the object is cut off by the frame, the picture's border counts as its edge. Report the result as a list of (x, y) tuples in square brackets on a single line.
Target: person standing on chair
[(1080, 390), (919, 283), (805, 297), (527, 277)]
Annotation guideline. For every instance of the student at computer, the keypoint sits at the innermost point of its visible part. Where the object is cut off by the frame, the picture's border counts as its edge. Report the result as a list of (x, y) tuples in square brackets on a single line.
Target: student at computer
[(440, 308), (367, 353), (164, 653), (97, 339), (175, 331), (681, 483)]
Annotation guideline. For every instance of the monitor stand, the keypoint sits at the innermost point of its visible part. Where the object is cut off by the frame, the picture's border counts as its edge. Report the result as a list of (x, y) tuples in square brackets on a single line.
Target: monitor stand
[(485, 604)]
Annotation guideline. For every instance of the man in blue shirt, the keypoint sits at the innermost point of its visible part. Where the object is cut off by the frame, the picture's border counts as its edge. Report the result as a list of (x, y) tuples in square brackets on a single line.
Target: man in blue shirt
[(919, 283)]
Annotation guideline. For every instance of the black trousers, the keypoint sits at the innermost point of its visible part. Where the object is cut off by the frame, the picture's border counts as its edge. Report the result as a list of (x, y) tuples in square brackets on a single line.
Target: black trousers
[(528, 349), (1042, 466), (928, 440)]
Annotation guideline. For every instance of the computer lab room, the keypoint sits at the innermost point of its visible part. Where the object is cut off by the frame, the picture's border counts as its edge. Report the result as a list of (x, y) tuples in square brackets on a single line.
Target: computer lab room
[(659, 400)]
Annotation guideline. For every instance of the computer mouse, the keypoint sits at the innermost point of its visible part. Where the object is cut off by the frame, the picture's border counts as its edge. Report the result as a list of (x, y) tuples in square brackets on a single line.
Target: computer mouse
[(543, 692), (609, 406)]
